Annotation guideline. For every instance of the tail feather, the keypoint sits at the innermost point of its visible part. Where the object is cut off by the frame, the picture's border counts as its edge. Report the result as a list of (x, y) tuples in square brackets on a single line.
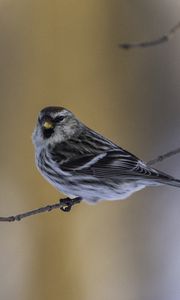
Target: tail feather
[(160, 177), (171, 181), (164, 178)]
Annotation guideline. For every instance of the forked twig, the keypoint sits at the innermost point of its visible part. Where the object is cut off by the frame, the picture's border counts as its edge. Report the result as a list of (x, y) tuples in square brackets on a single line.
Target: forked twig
[(151, 43)]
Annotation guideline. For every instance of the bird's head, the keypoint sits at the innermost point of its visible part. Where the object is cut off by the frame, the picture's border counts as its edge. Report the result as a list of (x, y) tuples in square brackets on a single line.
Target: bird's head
[(55, 124)]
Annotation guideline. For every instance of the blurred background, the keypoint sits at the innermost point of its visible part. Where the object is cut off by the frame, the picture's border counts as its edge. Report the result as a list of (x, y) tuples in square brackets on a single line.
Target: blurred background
[(65, 53)]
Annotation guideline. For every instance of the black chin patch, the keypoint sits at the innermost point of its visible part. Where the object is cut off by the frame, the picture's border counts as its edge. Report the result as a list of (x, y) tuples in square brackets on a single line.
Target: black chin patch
[(47, 132)]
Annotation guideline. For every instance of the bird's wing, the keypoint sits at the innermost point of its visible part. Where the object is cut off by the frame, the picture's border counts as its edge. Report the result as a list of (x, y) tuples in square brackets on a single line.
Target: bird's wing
[(97, 156), (110, 164)]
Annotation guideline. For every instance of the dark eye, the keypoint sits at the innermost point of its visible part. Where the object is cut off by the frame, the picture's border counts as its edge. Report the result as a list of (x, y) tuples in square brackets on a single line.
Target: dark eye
[(59, 119)]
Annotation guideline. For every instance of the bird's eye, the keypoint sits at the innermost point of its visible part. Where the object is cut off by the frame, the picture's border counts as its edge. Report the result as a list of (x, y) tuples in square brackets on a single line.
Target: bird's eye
[(59, 119)]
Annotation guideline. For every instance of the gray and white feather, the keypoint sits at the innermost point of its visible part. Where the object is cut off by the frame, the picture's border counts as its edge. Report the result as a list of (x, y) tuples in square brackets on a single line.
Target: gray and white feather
[(80, 162)]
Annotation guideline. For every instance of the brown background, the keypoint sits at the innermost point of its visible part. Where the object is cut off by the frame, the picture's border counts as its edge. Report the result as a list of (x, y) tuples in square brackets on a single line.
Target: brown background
[(65, 53)]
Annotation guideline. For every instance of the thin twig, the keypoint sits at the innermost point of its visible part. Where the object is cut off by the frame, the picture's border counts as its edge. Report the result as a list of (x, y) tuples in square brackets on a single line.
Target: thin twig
[(67, 203), (151, 43), (63, 204), (164, 156)]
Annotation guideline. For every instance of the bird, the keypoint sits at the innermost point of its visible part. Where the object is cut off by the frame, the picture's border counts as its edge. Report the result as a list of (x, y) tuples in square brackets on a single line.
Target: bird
[(80, 162)]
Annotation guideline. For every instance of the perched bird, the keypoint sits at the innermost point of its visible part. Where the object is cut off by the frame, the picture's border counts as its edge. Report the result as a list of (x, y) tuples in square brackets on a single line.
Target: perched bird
[(82, 163)]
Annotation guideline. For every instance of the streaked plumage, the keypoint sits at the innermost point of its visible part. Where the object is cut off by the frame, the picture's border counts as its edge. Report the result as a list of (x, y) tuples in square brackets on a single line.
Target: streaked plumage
[(80, 162)]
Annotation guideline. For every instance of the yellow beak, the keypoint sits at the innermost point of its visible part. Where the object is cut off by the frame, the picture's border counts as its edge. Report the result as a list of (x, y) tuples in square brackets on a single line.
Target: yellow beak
[(48, 125)]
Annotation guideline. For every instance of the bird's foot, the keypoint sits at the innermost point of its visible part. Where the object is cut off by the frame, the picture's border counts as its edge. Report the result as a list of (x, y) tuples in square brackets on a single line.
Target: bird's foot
[(67, 203)]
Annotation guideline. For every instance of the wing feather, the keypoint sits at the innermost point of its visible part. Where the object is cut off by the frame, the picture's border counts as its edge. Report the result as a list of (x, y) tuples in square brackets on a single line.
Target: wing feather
[(92, 154), (108, 165)]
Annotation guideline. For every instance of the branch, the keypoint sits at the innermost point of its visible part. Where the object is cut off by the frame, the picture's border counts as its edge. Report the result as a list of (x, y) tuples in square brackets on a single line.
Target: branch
[(67, 203), (151, 43), (63, 204), (164, 156)]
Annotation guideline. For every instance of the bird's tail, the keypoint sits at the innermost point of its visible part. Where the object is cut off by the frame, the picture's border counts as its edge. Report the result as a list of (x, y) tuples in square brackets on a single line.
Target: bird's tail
[(164, 178), (171, 181)]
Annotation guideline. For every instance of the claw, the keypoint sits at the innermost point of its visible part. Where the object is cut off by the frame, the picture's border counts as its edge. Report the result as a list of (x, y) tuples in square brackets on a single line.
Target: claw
[(67, 203), (66, 208)]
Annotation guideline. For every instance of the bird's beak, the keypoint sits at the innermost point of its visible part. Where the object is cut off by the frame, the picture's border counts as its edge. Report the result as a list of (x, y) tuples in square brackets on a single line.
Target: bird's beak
[(48, 125)]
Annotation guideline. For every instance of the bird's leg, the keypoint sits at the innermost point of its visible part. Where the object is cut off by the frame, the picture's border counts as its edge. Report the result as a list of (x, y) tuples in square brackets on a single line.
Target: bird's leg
[(67, 203)]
